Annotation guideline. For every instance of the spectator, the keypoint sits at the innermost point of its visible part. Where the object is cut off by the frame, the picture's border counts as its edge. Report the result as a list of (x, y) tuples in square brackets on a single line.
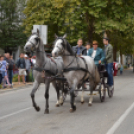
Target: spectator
[(28, 67), (33, 60), (0, 70), (79, 49), (5, 55), (22, 68), (10, 67), (121, 70), (3, 70)]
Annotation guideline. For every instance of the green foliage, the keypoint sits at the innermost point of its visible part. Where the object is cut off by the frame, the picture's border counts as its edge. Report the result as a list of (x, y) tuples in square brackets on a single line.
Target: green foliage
[(11, 31), (85, 19), (15, 77)]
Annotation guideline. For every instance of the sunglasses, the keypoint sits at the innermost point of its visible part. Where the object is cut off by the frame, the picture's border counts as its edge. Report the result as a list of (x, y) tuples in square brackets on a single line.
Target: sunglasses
[(95, 44)]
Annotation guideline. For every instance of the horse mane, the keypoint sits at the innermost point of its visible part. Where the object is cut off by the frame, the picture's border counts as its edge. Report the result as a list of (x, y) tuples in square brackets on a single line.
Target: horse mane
[(32, 35), (69, 48)]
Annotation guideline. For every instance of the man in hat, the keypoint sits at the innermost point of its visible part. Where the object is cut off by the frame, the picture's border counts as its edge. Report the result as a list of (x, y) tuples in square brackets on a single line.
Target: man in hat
[(109, 61), (96, 53)]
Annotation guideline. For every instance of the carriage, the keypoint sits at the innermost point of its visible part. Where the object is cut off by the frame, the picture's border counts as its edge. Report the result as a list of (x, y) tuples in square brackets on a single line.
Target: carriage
[(102, 87)]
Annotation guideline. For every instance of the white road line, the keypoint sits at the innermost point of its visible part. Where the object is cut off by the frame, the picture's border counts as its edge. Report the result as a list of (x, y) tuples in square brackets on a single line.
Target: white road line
[(20, 111), (120, 120)]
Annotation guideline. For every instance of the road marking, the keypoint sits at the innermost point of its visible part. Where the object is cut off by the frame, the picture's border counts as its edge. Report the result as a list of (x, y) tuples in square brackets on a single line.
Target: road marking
[(18, 90), (20, 111), (120, 120)]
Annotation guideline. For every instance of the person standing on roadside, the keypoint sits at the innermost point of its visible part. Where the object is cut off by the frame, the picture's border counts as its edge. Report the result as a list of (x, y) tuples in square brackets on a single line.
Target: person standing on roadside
[(0, 71), (33, 60), (10, 67), (22, 68), (3, 69), (109, 61), (28, 67)]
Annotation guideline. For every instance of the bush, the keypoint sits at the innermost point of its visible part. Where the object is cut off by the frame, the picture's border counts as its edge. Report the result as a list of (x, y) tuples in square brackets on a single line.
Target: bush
[(15, 77), (125, 67)]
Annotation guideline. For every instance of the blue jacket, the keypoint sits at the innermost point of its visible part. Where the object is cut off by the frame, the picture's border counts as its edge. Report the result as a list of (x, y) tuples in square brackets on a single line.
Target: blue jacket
[(99, 55)]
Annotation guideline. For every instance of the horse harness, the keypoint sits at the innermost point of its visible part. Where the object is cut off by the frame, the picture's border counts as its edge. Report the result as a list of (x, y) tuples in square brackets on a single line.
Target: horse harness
[(66, 69), (46, 70), (79, 68)]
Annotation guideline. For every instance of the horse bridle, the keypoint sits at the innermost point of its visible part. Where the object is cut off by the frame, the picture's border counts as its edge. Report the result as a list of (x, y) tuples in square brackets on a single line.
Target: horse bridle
[(32, 48), (62, 51)]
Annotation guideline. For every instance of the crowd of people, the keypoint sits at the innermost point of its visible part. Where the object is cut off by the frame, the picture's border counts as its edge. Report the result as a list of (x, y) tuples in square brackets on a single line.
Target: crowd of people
[(7, 67)]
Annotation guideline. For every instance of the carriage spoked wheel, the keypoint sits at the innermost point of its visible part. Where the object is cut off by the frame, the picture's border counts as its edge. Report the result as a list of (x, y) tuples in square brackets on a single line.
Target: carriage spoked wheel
[(102, 92), (110, 92), (65, 93)]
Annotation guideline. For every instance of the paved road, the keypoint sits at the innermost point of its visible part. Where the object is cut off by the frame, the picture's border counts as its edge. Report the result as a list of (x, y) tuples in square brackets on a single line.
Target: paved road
[(18, 117)]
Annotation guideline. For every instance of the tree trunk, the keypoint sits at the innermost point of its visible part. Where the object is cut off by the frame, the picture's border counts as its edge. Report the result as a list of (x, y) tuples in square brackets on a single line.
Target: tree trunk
[(114, 53), (121, 57)]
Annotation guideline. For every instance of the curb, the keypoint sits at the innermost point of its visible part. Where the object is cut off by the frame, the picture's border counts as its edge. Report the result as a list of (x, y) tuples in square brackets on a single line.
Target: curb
[(8, 90)]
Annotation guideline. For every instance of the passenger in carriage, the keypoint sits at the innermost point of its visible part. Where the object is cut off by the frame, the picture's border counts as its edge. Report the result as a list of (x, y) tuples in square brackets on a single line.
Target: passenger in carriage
[(88, 46), (79, 49), (109, 61), (97, 54)]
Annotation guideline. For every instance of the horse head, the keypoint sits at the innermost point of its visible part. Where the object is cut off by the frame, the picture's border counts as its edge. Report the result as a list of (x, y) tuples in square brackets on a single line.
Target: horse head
[(33, 42), (61, 46)]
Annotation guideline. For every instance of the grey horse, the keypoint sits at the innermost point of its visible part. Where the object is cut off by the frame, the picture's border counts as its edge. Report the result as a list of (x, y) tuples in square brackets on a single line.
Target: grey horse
[(76, 69), (51, 66)]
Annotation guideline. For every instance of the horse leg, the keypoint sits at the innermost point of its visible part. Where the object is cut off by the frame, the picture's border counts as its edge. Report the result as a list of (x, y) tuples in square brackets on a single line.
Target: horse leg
[(82, 95), (35, 87), (72, 99), (58, 94), (92, 86), (47, 84)]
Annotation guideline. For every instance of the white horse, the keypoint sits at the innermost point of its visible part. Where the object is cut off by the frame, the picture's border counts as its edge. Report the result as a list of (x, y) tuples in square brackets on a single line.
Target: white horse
[(76, 69), (44, 66)]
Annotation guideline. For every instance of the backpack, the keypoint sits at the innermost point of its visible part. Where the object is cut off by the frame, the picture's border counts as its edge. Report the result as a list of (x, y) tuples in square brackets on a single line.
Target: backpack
[(21, 64)]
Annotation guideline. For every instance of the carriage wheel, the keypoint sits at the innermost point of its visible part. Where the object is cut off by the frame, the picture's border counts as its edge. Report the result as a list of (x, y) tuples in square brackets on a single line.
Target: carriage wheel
[(102, 92), (65, 93), (110, 92)]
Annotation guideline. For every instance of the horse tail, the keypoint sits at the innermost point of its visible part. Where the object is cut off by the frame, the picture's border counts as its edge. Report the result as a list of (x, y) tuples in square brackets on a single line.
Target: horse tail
[(97, 76)]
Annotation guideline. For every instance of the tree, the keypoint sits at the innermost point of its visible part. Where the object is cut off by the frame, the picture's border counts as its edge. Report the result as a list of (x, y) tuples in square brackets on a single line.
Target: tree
[(85, 19), (11, 31)]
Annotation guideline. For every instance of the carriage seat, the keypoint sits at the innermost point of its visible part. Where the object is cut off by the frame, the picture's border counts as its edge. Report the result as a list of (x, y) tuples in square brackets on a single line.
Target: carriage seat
[(102, 71)]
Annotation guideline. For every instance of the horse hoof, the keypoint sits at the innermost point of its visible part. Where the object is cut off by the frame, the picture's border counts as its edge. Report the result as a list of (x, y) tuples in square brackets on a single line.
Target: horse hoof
[(82, 102), (72, 109), (57, 105), (102, 99), (46, 111), (89, 104), (61, 104), (37, 109)]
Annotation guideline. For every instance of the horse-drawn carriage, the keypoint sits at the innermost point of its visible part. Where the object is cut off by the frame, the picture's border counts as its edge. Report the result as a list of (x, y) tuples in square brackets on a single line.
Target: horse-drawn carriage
[(76, 71), (102, 87)]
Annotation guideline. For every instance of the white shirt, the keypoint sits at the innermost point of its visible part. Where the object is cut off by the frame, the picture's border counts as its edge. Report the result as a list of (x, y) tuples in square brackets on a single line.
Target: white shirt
[(93, 54), (87, 51), (33, 61)]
